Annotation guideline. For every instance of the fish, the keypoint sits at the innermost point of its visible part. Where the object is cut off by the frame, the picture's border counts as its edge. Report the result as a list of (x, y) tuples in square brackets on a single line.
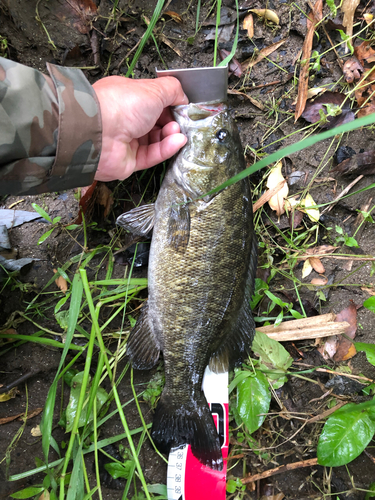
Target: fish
[(202, 264)]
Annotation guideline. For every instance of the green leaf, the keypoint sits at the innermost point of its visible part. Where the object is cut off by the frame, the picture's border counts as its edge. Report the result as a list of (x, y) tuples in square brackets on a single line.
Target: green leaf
[(62, 318), (370, 304), (41, 212), (119, 470), (260, 287), (158, 489), (369, 349), (274, 358), (369, 494), (71, 410), (61, 302), (231, 486), (45, 236), (345, 435), (27, 492), (271, 352), (72, 226), (253, 398)]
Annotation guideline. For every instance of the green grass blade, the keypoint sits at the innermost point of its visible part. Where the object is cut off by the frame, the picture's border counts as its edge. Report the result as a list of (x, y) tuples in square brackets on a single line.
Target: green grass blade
[(146, 36), (218, 11), (227, 60), (293, 148)]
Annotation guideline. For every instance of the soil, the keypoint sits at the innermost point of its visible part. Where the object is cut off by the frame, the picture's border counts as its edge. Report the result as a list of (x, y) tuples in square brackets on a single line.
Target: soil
[(106, 46)]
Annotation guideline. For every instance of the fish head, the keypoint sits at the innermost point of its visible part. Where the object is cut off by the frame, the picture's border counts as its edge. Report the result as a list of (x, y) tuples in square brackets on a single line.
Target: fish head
[(213, 151)]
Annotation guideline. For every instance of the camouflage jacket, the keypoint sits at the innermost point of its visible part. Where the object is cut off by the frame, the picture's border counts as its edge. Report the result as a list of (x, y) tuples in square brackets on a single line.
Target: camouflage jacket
[(50, 129)]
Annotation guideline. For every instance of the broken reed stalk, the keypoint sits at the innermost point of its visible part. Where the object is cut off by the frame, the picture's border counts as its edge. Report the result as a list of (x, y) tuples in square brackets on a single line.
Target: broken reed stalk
[(306, 328)]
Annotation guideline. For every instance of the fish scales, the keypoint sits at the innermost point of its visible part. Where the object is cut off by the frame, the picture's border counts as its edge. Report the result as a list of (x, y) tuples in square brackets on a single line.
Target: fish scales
[(201, 272)]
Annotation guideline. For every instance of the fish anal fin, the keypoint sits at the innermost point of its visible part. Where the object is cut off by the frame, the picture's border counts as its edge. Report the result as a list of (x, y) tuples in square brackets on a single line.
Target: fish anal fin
[(176, 424), (143, 348), (179, 228), (138, 221)]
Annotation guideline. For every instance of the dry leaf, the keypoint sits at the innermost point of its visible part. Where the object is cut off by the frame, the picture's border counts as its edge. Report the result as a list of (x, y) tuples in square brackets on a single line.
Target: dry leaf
[(8, 395), (77, 14), (314, 107), (317, 265), (253, 101), (45, 495), (61, 283), (35, 431), (176, 17), (234, 65), (368, 18), (321, 250), (277, 201), (345, 349), (104, 197), (328, 349), (249, 63), (307, 268), (314, 18), (315, 91), (371, 291), (319, 281), (359, 164), (348, 7), (352, 69), (248, 24), (313, 213), (268, 14)]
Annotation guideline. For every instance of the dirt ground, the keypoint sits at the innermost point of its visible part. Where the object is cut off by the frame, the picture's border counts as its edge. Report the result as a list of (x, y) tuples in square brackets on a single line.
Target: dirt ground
[(107, 47)]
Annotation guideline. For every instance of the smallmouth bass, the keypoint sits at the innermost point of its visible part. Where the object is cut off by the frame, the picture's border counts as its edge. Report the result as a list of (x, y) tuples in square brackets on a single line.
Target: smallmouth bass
[(202, 265)]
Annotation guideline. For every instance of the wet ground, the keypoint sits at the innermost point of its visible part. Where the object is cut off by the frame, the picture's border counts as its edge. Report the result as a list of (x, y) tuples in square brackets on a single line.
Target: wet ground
[(107, 46)]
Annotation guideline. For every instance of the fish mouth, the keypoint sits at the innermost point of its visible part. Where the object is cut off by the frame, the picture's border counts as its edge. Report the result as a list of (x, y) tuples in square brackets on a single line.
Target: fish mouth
[(193, 165)]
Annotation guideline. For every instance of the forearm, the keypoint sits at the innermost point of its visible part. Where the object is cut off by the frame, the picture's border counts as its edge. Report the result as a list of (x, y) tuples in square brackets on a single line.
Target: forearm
[(50, 129)]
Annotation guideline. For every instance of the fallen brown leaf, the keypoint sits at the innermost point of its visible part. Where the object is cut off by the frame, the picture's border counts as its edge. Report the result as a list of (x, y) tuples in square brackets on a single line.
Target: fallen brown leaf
[(249, 63), (248, 24), (319, 281), (317, 265), (321, 250), (314, 18), (9, 395), (361, 163), (314, 106), (345, 349), (352, 69), (274, 179), (176, 17), (256, 103), (234, 65), (77, 14), (61, 282)]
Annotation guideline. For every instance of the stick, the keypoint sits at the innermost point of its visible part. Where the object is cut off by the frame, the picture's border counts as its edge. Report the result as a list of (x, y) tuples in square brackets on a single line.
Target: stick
[(343, 193), (306, 328), (279, 470), (326, 413)]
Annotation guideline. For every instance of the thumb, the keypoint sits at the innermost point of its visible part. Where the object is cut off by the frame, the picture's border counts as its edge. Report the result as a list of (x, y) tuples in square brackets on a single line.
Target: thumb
[(171, 91)]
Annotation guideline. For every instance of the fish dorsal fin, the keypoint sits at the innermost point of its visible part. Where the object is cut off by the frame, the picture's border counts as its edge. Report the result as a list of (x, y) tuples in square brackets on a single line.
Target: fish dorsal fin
[(138, 221), (143, 348), (238, 344), (179, 228)]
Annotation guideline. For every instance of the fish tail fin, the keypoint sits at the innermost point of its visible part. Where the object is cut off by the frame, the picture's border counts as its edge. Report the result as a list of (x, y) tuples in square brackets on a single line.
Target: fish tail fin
[(176, 424)]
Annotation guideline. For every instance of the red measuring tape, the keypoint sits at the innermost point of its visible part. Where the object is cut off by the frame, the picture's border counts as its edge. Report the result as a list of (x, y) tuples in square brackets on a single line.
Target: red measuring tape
[(187, 478)]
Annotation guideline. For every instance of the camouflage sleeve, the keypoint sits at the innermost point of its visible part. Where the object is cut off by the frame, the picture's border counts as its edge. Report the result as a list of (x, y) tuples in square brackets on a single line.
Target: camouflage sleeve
[(50, 129)]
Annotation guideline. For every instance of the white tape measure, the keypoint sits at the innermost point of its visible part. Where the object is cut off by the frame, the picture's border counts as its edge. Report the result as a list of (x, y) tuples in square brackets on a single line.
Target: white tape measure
[(187, 478)]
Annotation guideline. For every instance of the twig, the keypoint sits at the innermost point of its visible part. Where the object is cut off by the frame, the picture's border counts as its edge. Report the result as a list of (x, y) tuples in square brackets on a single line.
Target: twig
[(325, 370), (343, 193), (325, 414), (278, 470)]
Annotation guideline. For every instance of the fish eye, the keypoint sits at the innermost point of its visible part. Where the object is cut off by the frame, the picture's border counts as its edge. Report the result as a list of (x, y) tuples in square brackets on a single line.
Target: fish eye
[(222, 134)]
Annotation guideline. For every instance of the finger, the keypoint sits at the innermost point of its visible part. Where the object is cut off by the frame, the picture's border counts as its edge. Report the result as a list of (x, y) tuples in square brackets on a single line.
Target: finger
[(165, 117), (152, 154), (171, 91), (157, 134)]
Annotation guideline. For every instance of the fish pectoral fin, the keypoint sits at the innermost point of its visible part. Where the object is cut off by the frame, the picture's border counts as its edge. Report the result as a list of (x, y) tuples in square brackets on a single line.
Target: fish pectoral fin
[(138, 221), (143, 348), (178, 231)]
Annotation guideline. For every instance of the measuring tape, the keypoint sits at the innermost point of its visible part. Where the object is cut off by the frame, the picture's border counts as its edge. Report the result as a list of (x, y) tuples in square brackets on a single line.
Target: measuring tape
[(187, 478)]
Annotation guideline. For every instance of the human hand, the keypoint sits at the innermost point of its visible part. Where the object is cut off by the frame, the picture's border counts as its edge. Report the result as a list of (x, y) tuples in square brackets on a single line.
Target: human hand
[(138, 128)]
